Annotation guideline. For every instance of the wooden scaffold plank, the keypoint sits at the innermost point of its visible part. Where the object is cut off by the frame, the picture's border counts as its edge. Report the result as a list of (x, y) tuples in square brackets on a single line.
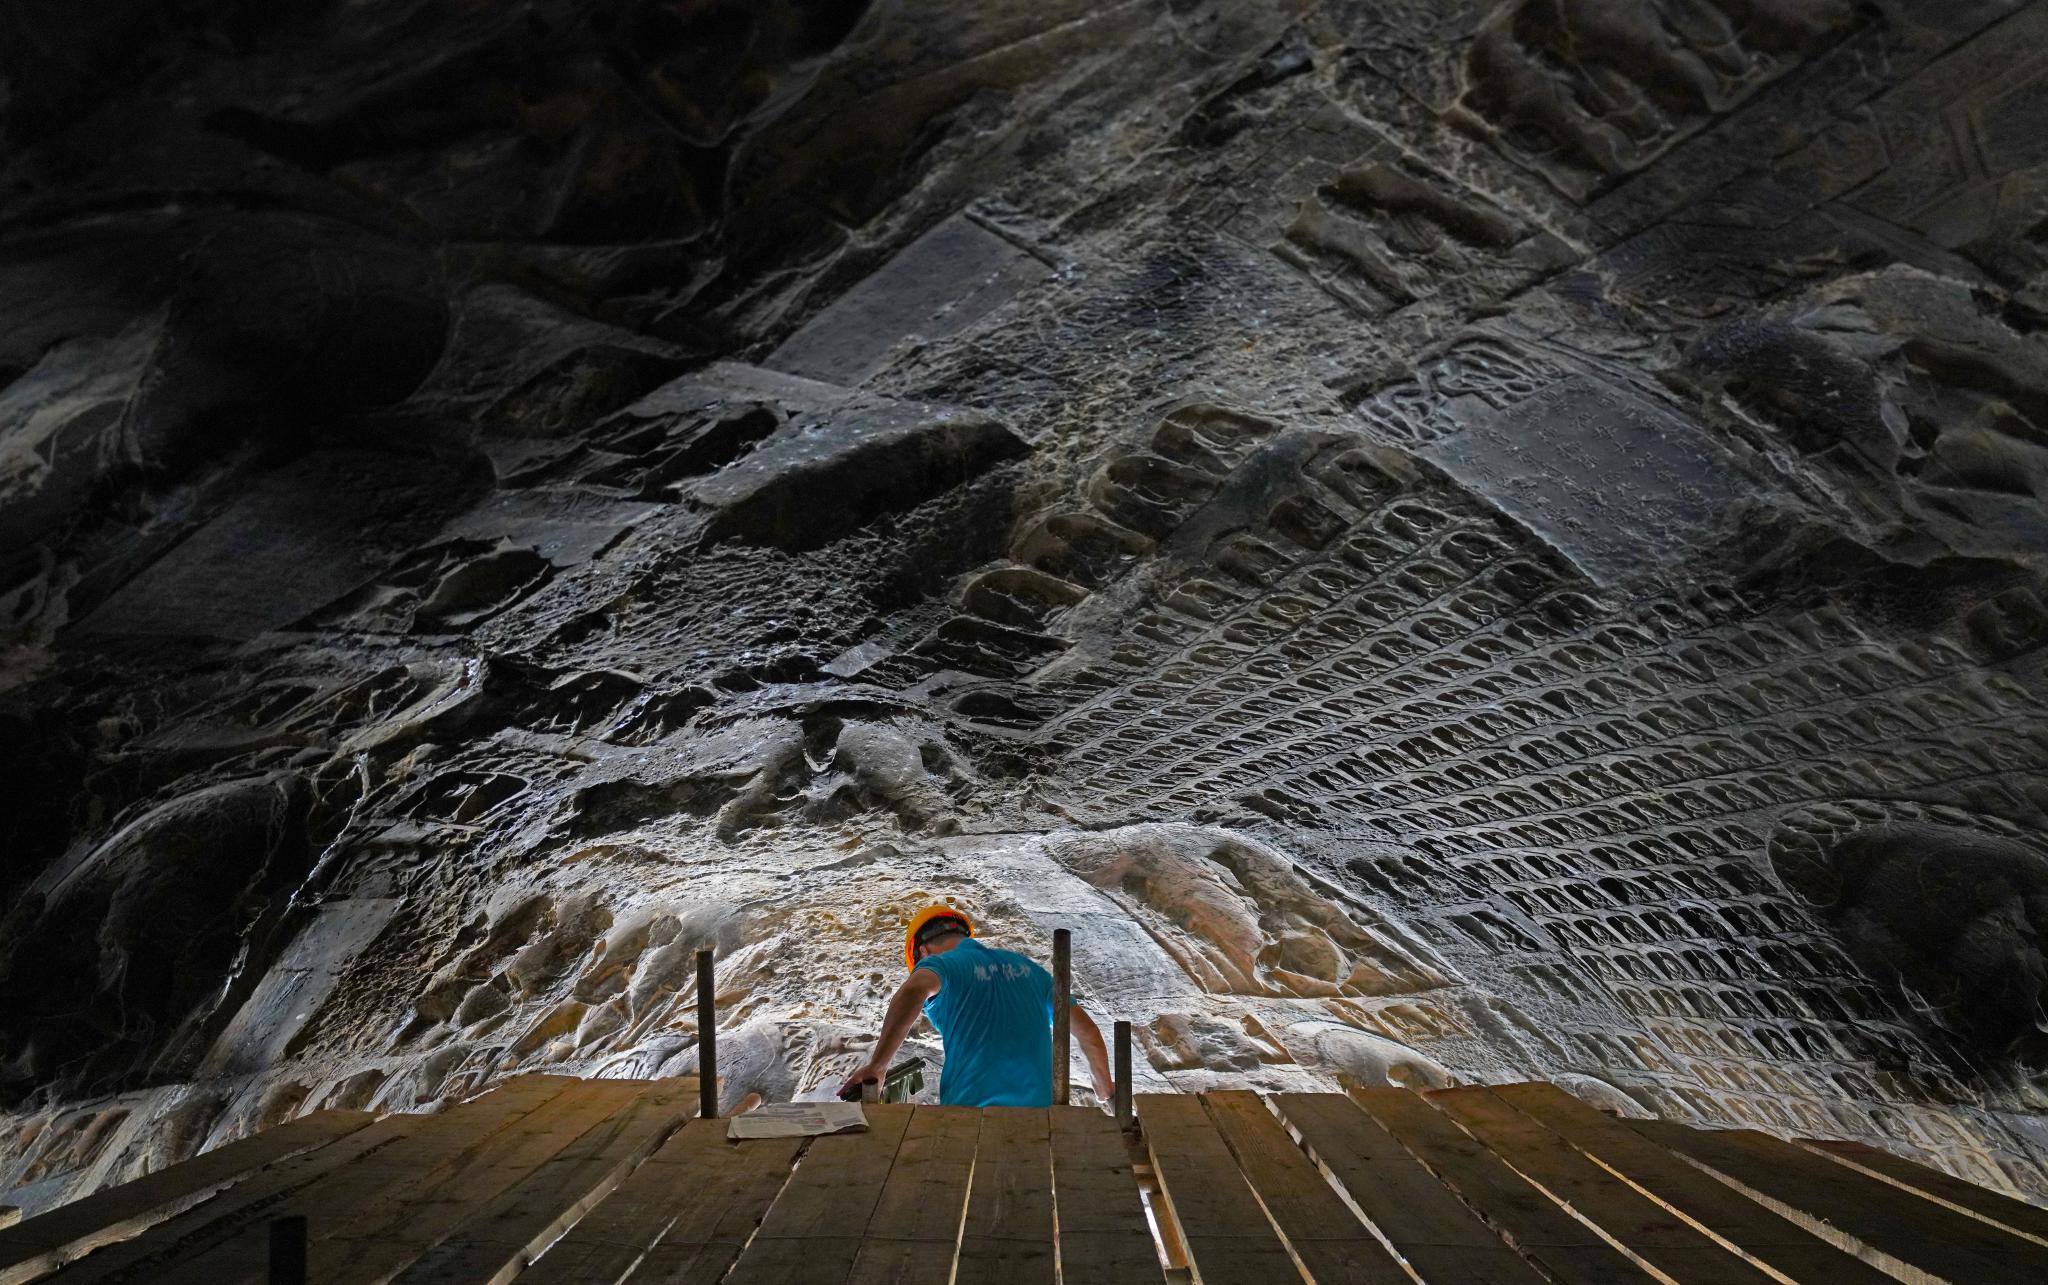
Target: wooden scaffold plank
[(1008, 1236), (1322, 1231), (1759, 1233), (914, 1235), (1652, 1232), (239, 1217), (1103, 1237), (1897, 1230), (500, 1238), (412, 1212), (740, 1183), (812, 1234), (1981, 1202), (1567, 1249), (683, 1215), (1424, 1220), (1228, 1236), (368, 1220), (44, 1243), (241, 1210)]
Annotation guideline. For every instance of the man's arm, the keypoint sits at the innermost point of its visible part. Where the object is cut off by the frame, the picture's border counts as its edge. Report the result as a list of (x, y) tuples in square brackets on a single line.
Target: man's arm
[(904, 1007), (1093, 1049)]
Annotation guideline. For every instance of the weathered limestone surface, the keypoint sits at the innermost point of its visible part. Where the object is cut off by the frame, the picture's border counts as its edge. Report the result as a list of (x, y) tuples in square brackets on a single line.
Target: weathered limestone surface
[(1452, 540)]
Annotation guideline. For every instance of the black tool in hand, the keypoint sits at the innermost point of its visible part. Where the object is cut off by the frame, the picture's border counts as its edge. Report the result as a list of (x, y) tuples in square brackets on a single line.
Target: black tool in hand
[(904, 1079)]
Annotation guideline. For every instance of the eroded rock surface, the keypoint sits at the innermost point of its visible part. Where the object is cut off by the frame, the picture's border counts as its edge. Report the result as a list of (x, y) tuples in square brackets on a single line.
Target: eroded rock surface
[(1451, 541)]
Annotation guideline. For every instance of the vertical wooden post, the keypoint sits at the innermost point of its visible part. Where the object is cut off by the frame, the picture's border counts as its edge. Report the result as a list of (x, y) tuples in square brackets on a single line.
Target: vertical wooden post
[(1123, 1075), (288, 1250), (707, 1039), (1062, 1019)]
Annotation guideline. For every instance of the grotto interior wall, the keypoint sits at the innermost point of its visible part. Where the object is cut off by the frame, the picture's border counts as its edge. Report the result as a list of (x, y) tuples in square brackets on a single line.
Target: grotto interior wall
[(1449, 541)]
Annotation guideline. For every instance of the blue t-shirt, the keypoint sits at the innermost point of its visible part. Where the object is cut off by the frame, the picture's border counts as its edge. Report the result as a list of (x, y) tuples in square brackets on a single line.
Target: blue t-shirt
[(994, 1014)]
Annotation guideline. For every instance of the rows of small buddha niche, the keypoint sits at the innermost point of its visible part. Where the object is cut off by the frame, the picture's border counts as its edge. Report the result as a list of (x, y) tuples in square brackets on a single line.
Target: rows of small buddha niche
[(1752, 856), (1590, 799), (1621, 813)]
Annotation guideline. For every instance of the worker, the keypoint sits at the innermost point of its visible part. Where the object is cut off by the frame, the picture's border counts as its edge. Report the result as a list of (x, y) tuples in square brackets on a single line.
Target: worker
[(993, 1011)]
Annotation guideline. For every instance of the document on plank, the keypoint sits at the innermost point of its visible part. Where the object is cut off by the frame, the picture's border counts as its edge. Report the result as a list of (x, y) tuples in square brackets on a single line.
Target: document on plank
[(798, 1120)]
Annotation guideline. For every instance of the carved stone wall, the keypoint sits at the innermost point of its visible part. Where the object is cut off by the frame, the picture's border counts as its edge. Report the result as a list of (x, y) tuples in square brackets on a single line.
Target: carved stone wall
[(1447, 541)]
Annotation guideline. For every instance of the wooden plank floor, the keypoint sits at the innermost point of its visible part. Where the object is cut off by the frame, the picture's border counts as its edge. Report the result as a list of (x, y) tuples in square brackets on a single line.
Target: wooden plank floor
[(1423, 1221), (41, 1245), (550, 1181), (1008, 1236), (1649, 1230), (1227, 1233), (1747, 1227), (1570, 1249), (1898, 1230), (1103, 1237)]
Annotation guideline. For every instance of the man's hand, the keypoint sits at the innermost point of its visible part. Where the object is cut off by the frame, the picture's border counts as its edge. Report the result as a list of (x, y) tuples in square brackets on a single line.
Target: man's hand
[(904, 1006), (849, 1090)]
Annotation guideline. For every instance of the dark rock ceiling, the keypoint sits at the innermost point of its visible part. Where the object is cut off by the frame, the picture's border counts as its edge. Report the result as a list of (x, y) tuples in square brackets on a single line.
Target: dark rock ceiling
[(1446, 538)]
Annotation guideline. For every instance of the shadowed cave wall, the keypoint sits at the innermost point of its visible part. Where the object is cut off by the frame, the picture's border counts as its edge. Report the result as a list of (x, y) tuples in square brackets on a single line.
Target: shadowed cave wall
[(1456, 541)]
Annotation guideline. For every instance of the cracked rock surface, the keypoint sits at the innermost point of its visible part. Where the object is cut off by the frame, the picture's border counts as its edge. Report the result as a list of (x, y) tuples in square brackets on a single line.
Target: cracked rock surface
[(1460, 541)]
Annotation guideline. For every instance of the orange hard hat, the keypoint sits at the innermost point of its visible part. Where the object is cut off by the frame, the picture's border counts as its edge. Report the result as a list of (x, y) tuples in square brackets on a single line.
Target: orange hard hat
[(923, 917)]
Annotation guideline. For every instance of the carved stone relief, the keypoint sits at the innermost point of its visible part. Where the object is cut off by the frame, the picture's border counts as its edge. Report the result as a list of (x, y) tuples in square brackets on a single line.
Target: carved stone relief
[(1445, 541)]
